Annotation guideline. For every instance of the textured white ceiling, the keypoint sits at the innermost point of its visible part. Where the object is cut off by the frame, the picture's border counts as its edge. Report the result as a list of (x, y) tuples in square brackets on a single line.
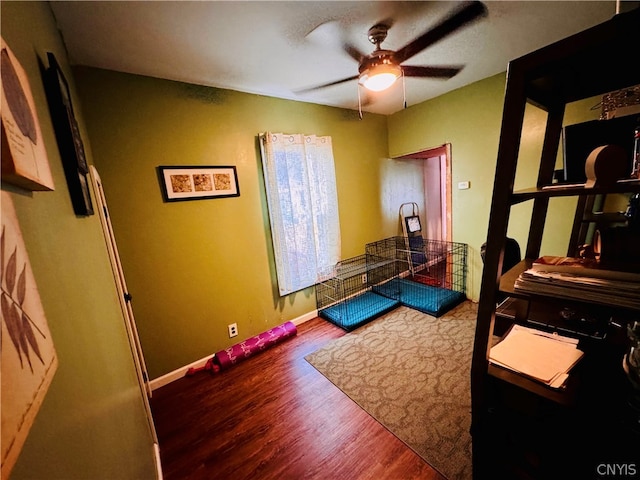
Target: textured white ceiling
[(277, 48)]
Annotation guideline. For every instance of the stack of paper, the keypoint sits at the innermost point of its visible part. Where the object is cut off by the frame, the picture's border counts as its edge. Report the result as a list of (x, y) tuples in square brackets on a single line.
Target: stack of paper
[(542, 356), (587, 267), (624, 293)]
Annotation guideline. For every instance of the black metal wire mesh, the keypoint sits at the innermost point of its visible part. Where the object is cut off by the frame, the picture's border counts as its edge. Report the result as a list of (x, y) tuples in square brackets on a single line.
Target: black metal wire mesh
[(345, 295), (432, 274), (430, 262)]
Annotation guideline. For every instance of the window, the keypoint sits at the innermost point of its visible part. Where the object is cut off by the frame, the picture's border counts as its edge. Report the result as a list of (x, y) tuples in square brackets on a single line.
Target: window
[(301, 192)]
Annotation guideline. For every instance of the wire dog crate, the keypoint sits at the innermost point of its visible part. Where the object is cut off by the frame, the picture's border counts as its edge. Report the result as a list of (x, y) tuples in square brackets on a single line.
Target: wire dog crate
[(431, 274), (346, 298)]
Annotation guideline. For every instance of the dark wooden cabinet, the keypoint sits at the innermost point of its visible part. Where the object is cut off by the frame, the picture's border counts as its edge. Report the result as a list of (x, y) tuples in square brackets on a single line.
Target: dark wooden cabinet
[(522, 429)]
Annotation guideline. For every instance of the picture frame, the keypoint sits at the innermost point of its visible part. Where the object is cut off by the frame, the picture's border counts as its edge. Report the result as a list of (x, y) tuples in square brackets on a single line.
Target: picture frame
[(413, 224), (28, 359), (180, 183), (24, 157), (68, 136)]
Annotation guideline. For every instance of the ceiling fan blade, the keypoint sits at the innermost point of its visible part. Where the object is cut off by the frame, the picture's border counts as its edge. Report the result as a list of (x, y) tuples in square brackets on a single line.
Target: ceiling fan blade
[(324, 85), (434, 72), (353, 52), (458, 18)]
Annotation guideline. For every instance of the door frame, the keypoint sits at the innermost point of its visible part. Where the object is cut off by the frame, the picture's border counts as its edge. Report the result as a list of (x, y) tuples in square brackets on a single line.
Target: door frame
[(124, 297), (442, 154)]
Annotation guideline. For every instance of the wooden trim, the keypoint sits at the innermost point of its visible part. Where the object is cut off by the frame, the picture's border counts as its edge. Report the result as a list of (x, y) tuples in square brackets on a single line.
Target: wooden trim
[(443, 152), (448, 195), (443, 149), (156, 455)]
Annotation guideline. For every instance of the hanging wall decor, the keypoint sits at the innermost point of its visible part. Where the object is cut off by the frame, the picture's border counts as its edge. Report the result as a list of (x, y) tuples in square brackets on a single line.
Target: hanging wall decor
[(28, 356), (68, 136), (24, 158), (195, 183)]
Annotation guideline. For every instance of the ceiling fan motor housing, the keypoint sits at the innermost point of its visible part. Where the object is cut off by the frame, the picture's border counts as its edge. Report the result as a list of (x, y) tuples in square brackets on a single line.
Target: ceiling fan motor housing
[(379, 57), (377, 34)]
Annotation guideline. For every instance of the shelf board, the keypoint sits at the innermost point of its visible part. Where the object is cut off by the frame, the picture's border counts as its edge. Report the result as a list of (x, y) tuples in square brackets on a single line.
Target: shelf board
[(605, 217), (508, 279), (565, 396), (559, 190)]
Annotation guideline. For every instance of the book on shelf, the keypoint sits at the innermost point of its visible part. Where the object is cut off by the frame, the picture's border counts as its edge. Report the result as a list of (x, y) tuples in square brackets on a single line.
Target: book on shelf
[(623, 293), (544, 357), (586, 267)]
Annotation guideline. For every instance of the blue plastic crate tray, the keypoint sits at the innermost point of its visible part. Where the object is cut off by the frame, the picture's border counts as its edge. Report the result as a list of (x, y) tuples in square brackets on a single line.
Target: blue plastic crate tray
[(356, 311)]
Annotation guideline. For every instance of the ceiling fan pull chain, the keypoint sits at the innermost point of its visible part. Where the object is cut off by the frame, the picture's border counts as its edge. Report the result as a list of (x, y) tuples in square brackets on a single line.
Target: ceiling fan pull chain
[(359, 103), (404, 90)]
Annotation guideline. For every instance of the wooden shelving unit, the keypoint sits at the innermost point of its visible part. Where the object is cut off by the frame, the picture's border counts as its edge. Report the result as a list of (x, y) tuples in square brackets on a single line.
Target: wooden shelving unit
[(522, 429)]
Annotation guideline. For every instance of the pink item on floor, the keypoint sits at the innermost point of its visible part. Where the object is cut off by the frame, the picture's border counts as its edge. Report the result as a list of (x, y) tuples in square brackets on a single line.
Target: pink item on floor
[(243, 350)]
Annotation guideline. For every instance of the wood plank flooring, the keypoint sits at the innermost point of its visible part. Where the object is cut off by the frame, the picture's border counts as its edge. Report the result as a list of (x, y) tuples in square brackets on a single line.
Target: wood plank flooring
[(275, 417)]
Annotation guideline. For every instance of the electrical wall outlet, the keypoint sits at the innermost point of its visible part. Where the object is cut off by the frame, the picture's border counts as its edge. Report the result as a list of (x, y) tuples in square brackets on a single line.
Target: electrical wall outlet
[(233, 330), (364, 278)]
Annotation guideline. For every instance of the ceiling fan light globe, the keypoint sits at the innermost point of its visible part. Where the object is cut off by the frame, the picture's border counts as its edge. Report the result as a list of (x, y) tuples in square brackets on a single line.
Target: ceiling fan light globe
[(380, 77), (379, 82)]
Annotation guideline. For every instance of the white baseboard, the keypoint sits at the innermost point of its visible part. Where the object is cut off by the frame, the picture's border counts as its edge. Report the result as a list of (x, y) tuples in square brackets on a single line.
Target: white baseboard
[(178, 373), (305, 318), (182, 371)]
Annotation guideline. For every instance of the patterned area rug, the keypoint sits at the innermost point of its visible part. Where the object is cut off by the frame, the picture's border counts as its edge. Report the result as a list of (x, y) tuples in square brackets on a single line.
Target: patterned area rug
[(411, 372)]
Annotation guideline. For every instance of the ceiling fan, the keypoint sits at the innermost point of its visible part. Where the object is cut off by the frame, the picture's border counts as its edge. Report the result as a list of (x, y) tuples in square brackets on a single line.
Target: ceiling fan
[(381, 68)]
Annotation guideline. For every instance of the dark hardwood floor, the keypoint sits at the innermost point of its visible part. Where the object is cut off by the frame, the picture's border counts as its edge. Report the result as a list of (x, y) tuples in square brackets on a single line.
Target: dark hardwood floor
[(275, 417)]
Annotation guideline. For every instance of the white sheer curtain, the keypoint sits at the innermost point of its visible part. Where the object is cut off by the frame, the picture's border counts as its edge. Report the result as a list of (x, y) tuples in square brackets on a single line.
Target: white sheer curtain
[(300, 181)]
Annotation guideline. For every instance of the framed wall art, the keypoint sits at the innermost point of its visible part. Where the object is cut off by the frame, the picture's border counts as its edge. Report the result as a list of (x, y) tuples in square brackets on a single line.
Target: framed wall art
[(68, 136), (24, 157), (28, 356), (196, 183)]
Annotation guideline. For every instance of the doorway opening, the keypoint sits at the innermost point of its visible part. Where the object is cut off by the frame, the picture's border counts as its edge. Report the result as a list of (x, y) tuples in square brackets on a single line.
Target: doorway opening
[(437, 190)]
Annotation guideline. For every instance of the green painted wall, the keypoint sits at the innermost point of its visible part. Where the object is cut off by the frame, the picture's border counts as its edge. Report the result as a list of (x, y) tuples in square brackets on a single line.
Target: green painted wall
[(92, 423), (469, 118), (194, 267)]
